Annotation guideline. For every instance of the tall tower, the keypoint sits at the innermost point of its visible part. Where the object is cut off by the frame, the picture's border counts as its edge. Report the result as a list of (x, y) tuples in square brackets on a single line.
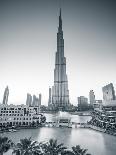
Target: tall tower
[(40, 96), (108, 92), (6, 94), (29, 100), (60, 92), (91, 97), (49, 100)]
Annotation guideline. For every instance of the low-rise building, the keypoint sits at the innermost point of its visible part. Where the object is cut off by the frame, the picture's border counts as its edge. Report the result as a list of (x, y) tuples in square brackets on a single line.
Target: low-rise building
[(104, 119), (19, 115)]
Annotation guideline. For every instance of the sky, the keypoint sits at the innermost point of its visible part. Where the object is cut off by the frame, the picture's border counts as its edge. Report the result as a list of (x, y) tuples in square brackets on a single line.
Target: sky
[(28, 33)]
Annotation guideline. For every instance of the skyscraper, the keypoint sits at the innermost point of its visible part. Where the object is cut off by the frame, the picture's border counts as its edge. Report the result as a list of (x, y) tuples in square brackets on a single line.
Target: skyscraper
[(35, 101), (6, 94), (29, 100), (92, 97), (82, 103), (39, 104), (108, 92), (60, 92), (49, 100)]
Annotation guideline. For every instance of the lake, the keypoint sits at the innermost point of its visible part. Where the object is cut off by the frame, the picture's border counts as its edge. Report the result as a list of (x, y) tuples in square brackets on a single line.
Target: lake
[(97, 143)]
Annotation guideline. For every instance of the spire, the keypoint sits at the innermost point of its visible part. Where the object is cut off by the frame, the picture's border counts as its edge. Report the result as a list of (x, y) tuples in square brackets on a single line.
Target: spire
[(60, 21), (60, 12)]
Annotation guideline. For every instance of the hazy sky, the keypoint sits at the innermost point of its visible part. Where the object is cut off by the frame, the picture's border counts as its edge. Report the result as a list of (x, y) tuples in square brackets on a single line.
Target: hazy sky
[(28, 31)]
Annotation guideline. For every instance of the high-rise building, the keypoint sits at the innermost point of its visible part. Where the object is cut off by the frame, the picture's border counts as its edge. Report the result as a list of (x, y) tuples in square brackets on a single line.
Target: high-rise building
[(91, 97), (50, 97), (109, 98), (39, 104), (108, 92), (29, 100), (35, 101), (6, 94), (82, 103), (60, 92)]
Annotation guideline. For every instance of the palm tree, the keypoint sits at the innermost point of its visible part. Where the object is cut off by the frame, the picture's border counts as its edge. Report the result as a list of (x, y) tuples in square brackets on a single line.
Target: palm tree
[(67, 152), (5, 145), (53, 148), (27, 147), (77, 150)]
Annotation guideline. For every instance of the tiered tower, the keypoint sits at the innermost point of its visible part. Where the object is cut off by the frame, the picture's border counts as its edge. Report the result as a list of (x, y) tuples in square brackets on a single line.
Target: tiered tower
[(60, 92)]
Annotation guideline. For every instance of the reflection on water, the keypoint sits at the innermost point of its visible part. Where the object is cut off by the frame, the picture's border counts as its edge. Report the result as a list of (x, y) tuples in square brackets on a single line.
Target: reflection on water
[(96, 142)]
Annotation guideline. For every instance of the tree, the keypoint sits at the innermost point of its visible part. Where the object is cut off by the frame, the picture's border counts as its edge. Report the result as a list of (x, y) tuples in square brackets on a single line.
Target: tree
[(5, 144), (27, 147), (77, 150), (53, 148)]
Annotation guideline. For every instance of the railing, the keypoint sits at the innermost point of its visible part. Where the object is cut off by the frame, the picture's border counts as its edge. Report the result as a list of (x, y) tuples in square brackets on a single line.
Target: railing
[(66, 124)]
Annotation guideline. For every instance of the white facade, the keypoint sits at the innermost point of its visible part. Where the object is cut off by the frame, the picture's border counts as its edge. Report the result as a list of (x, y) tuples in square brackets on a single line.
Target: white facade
[(18, 115)]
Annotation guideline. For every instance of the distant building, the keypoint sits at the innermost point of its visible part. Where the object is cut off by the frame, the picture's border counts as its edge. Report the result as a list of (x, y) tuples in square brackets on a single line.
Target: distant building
[(91, 97), (6, 94), (109, 100), (35, 101), (29, 100), (97, 104), (108, 92), (50, 97), (82, 103), (105, 116), (40, 96)]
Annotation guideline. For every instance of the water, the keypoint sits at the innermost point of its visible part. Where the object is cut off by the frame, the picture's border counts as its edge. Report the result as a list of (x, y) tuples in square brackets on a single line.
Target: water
[(97, 143)]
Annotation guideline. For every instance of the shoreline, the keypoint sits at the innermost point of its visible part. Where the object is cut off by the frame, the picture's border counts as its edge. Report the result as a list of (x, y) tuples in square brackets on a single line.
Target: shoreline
[(101, 130), (87, 126)]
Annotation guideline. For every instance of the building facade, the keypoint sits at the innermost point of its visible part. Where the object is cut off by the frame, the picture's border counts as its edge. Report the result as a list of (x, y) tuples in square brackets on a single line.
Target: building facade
[(91, 97), (105, 117), (19, 115), (6, 95), (108, 92), (60, 92), (40, 98), (29, 100), (33, 101), (82, 103), (50, 97)]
